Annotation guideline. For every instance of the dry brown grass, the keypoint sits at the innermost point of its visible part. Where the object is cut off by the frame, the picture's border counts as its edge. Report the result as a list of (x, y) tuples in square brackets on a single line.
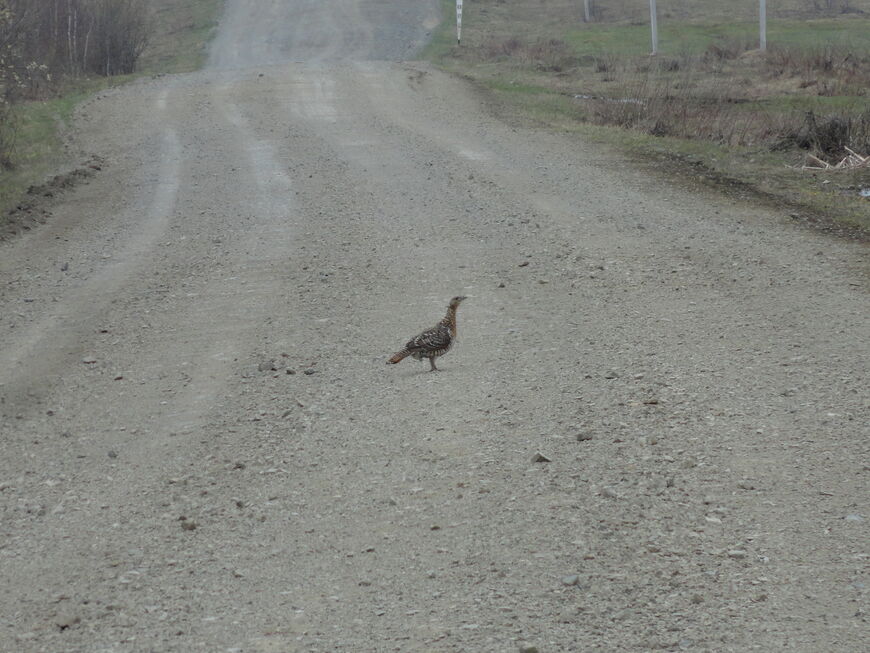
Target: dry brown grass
[(543, 54), (825, 70), (728, 93), (724, 97), (709, 95)]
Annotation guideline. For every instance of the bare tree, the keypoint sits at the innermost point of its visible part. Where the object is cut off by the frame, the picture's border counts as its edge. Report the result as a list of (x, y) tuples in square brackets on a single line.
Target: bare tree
[(104, 37), (120, 30)]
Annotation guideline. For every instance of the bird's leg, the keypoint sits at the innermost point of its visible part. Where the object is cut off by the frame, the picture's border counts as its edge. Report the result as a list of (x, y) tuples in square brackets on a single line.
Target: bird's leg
[(432, 363)]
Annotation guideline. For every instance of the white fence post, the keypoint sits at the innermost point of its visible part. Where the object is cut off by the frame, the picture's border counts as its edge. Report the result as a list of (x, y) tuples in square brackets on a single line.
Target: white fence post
[(762, 25), (458, 22), (654, 26)]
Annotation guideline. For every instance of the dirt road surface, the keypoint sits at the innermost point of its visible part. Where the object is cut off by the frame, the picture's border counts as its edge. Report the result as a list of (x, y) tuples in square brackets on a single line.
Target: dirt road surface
[(203, 450)]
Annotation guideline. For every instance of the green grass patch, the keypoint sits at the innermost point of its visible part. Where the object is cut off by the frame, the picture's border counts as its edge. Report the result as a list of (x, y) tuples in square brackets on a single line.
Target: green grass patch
[(38, 125), (183, 31), (506, 86), (802, 103), (695, 38), (442, 43), (37, 144)]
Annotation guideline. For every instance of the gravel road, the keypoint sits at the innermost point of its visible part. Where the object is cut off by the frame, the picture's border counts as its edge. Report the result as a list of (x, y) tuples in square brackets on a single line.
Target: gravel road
[(201, 448)]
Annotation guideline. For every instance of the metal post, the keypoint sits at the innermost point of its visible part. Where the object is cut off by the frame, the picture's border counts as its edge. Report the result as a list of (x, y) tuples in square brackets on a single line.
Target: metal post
[(762, 25), (458, 22), (654, 26)]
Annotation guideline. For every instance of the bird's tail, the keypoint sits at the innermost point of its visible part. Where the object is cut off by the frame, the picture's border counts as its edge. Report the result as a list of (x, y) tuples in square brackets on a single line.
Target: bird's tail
[(398, 356)]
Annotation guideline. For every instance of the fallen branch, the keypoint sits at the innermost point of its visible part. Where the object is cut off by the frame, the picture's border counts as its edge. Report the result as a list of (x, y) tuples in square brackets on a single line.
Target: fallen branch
[(825, 165), (862, 159), (850, 162)]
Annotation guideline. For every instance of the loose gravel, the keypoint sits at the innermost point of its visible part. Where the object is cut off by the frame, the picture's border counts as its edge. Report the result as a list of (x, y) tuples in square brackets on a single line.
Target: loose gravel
[(651, 435)]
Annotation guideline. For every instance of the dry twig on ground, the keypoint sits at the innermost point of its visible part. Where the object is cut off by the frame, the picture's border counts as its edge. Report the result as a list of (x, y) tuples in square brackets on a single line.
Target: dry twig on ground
[(851, 161)]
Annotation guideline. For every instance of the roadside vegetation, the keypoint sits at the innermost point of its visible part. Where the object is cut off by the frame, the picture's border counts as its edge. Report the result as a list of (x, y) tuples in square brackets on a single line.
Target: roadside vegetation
[(54, 53), (709, 104)]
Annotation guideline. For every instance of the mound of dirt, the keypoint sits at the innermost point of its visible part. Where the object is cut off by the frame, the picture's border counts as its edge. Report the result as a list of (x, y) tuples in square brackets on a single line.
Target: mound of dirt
[(34, 206)]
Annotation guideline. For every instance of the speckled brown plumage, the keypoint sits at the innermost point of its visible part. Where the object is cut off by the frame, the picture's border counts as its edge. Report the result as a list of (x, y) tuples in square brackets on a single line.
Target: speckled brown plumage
[(433, 342)]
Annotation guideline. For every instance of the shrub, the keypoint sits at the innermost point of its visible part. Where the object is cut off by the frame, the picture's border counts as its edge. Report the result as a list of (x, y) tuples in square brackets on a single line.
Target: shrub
[(7, 135), (830, 134), (551, 55), (509, 47), (724, 50)]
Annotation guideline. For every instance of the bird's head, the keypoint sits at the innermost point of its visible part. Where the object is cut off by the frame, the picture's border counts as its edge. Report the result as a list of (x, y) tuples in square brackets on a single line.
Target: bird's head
[(454, 303)]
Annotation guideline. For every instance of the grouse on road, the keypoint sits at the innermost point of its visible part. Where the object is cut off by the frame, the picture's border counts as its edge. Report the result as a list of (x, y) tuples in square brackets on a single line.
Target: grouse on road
[(433, 342)]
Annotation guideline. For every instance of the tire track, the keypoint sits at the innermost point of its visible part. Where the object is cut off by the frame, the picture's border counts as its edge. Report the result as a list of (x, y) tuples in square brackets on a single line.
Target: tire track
[(58, 340)]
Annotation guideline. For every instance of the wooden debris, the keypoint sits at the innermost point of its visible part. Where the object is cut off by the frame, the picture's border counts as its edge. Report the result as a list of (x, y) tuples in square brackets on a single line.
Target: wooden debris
[(851, 161)]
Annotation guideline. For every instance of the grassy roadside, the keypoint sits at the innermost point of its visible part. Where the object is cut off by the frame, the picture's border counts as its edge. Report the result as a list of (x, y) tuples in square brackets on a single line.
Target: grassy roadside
[(181, 34), (709, 109)]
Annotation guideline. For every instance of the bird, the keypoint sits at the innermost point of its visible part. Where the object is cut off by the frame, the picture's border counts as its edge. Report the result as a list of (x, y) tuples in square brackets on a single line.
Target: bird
[(433, 342)]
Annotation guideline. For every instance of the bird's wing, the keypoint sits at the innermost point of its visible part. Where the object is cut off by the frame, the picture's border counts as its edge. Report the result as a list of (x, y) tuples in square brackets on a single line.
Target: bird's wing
[(430, 340)]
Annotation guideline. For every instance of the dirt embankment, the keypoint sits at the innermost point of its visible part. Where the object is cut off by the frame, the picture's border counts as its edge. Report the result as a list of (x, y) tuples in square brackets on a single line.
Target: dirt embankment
[(35, 207)]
